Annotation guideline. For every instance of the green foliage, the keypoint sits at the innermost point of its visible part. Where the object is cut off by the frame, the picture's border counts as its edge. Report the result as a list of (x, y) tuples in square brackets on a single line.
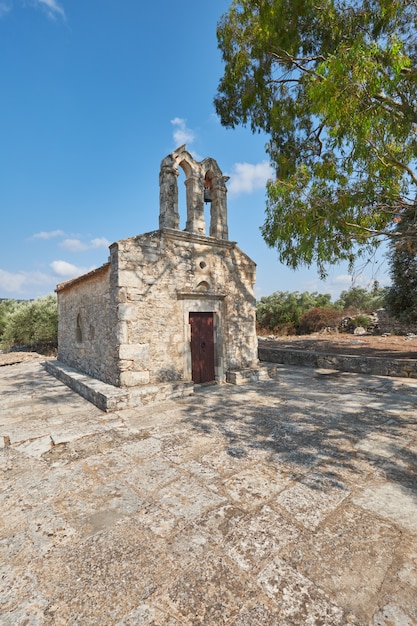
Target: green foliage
[(401, 299), (319, 318), (6, 309), (360, 320), (359, 299), (334, 86), (281, 312), (31, 323)]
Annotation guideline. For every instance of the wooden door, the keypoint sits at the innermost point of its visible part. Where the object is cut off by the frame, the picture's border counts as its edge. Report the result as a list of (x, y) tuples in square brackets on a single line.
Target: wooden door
[(202, 347)]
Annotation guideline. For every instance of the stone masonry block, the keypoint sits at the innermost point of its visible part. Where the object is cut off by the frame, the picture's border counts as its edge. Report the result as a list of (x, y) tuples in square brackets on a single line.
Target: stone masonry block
[(130, 279), (122, 333), (127, 312), (133, 379), (134, 352), (241, 377)]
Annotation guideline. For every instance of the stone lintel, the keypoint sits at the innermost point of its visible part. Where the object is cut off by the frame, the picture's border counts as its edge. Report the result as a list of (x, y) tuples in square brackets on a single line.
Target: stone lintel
[(199, 295), (196, 238)]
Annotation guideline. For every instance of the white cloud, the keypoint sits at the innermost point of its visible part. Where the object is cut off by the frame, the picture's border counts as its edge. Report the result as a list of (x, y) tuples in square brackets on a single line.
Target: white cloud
[(52, 8), (248, 177), (100, 242), (73, 245), (67, 270), (17, 283), (12, 282), (338, 283), (33, 284), (76, 245), (182, 134), (359, 279), (345, 281), (48, 234)]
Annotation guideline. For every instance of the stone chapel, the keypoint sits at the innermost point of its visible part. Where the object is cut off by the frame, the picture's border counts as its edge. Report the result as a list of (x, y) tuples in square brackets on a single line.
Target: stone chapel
[(171, 308)]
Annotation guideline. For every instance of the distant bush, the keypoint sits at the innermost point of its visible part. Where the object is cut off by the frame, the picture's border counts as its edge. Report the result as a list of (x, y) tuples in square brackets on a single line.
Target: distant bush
[(6, 309), (360, 320), (281, 312), (33, 322), (290, 313), (319, 318), (358, 299)]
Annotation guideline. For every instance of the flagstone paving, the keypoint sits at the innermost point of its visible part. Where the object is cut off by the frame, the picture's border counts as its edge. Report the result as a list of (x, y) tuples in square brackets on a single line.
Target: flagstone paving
[(288, 502)]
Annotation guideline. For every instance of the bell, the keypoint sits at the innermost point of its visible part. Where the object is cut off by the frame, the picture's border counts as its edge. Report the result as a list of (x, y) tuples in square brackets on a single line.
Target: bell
[(207, 194)]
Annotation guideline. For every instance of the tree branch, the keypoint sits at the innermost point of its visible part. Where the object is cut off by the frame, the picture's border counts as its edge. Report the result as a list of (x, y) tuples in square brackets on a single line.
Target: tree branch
[(297, 62), (405, 108), (393, 161), (374, 232)]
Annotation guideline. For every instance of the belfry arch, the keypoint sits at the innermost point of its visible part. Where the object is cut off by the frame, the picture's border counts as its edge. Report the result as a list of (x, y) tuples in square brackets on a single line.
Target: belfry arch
[(204, 181)]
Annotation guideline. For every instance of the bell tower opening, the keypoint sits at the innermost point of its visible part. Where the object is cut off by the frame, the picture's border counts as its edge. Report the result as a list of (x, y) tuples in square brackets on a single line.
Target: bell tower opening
[(182, 199), (207, 195), (204, 184)]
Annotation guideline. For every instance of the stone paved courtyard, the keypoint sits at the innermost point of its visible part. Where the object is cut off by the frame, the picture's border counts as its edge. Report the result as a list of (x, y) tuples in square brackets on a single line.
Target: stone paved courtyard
[(287, 502)]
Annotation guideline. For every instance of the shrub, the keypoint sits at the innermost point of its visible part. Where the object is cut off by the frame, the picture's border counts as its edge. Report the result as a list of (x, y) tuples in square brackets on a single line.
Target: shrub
[(360, 320), (32, 323), (281, 312), (358, 299), (6, 309), (319, 318)]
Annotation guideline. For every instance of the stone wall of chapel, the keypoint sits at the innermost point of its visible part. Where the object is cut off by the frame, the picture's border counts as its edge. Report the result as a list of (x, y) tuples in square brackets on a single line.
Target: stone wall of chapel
[(161, 275), (87, 326)]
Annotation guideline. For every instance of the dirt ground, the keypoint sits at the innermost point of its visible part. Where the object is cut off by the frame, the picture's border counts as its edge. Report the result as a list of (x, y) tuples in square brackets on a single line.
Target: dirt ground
[(14, 358), (370, 345)]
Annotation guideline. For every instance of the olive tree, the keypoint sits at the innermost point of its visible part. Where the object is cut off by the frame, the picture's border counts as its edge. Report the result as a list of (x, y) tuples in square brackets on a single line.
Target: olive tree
[(32, 322)]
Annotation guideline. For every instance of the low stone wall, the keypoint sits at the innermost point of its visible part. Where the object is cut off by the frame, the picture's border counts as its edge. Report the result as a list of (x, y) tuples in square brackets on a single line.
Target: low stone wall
[(380, 366), (110, 398)]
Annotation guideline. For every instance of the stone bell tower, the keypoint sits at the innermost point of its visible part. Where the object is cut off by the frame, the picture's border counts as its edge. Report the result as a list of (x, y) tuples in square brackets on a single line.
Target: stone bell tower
[(204, 182)]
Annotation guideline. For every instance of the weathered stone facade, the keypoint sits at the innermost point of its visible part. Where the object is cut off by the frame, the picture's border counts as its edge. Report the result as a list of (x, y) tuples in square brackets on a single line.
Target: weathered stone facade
[(128, 322), (87, 326)]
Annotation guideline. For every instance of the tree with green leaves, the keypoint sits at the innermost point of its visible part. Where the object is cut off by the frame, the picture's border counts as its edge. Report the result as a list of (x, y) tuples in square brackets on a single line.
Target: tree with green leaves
[(32, 322), (6, 309), (401, 298), (333, 84), (282, 311), (362, 300)]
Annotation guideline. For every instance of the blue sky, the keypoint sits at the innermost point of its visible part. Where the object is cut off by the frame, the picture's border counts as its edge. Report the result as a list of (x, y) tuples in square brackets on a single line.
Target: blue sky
[(95, 93)]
